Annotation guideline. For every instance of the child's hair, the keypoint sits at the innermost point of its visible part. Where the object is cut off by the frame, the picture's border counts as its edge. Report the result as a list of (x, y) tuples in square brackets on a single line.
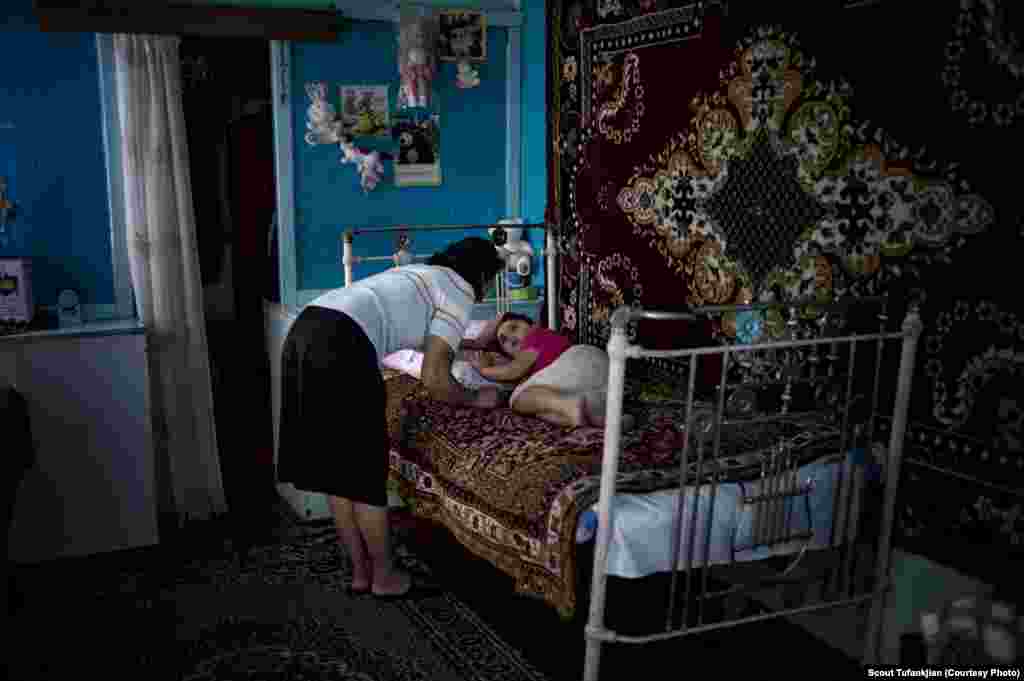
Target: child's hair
[(508, 317), (514, 317)]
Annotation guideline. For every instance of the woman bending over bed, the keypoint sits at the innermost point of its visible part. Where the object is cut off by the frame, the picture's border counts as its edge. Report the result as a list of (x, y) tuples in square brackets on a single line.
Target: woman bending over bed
[(558, 382)]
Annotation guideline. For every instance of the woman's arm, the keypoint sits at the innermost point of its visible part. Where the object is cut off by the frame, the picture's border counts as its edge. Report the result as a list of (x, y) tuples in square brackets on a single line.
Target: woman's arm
[(436, 375), (511, 372)]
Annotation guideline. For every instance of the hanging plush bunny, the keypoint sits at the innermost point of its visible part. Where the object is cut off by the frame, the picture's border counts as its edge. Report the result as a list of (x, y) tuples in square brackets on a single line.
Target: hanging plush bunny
[(322, 121), (417, 62), (369, 164)]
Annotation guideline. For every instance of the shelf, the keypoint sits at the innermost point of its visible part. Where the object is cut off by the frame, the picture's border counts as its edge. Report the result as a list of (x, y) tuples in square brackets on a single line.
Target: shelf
[(97, 328)]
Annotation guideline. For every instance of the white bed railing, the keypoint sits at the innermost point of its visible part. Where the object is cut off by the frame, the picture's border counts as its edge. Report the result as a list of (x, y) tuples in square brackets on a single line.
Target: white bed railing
[(777, 484), (502, 300)]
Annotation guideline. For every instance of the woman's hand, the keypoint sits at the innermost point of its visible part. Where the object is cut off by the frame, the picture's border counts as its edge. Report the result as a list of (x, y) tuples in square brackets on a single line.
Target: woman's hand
[(481, 360)]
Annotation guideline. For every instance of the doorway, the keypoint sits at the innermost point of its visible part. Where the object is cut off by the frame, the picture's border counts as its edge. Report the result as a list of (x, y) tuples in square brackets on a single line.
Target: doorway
[(226, 98)]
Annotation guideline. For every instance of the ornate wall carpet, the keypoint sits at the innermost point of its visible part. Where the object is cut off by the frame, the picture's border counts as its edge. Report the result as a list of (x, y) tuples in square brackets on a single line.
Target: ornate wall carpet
[(844, 149)]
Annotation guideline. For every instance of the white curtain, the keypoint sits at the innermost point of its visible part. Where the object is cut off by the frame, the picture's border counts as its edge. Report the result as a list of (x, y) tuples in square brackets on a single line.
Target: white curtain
[(165, 273)]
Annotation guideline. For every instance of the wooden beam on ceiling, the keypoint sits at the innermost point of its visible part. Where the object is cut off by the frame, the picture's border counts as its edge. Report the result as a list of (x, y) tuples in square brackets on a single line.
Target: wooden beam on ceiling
[(170, 18)]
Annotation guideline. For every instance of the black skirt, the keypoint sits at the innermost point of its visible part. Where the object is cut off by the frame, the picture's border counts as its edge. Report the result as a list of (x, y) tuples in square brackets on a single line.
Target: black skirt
[(334, 433)]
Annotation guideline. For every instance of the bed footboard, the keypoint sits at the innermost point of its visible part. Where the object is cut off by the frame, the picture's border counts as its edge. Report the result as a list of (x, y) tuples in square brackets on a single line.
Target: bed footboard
[(778, 494)]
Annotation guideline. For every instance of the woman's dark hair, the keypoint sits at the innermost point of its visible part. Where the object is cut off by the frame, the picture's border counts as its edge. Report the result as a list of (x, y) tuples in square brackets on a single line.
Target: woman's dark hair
[(474, 259)]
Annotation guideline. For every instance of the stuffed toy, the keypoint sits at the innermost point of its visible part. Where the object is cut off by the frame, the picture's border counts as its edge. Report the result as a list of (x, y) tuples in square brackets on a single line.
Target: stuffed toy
[(466, 77), (416, 61), (322, 121), (368, 163)]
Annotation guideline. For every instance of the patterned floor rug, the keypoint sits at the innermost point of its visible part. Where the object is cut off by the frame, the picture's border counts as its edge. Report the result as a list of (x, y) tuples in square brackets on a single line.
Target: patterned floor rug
[(278, 609)]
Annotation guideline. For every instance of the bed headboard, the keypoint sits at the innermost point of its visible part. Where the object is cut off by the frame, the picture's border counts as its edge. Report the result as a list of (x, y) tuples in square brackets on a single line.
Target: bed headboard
[(498, 234)]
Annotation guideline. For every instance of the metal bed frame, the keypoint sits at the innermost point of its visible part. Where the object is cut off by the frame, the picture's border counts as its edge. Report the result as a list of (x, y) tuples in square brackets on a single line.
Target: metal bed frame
[(778, 477), (502, 299), (779, 481)]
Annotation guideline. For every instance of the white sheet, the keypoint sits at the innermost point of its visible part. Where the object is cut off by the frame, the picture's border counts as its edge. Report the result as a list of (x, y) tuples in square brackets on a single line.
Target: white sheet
[(642, 523)]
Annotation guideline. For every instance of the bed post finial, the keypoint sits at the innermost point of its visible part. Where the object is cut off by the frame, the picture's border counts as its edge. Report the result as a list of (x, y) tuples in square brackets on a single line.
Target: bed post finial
[(621, 317), (912, 324), (346, 256)]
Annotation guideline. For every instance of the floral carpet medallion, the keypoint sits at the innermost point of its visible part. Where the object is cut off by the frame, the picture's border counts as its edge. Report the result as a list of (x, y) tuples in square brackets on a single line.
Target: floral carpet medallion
[(776, 193)]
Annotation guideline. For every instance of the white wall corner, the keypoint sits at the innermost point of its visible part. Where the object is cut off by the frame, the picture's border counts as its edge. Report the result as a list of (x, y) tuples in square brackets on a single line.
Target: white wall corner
[(284, 166), (513, 124)]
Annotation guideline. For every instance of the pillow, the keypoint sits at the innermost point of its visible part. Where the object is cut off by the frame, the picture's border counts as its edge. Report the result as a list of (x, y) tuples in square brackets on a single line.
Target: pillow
[(483, 333)]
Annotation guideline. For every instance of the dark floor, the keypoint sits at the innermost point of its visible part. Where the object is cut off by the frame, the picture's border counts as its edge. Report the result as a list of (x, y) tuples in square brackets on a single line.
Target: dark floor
[(556, 647)]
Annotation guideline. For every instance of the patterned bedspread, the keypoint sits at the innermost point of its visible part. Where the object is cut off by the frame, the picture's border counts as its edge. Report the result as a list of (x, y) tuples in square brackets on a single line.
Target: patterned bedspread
[(511, 488)]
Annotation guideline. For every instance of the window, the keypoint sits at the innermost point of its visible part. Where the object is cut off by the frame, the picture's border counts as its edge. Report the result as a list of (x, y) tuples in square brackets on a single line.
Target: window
[(124, 299)]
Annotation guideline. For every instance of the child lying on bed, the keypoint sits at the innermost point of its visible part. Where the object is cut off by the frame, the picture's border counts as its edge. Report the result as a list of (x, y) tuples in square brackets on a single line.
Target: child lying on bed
[(556, 381)]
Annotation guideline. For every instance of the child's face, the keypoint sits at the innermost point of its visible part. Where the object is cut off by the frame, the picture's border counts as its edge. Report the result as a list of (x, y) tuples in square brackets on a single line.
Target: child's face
[(511, 334)]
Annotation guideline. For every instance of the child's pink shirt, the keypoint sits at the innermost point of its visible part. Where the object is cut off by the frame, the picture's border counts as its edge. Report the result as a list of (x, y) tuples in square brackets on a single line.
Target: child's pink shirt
[(548, 345)]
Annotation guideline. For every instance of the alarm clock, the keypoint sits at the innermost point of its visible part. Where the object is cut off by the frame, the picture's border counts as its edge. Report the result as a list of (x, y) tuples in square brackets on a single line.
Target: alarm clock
[(69, 308)]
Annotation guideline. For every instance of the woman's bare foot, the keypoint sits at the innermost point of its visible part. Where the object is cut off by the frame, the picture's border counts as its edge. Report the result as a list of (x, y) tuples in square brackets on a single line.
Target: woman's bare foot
[(361, 576)]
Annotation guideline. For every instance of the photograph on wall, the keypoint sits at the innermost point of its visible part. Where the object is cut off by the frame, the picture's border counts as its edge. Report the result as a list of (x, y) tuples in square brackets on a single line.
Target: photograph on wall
[(364, 110), (418, 158), (463, 36)]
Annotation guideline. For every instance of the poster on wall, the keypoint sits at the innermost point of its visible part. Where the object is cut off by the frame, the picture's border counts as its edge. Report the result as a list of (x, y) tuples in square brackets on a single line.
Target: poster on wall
[(418, 161), (463, 36), (364, 110)]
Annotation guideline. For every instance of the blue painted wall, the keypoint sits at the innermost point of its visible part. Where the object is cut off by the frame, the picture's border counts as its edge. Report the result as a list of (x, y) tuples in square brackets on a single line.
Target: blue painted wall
[(328, 198), (533, 117), (51, 141), (534, 113)]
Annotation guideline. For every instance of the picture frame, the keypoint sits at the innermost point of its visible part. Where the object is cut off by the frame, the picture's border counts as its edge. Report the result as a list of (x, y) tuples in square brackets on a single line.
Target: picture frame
[(365, 110), (418, 159), (462, 35)]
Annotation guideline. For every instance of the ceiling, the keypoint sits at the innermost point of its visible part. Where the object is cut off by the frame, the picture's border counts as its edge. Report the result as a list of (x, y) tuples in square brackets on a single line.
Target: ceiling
[(485, 5)]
